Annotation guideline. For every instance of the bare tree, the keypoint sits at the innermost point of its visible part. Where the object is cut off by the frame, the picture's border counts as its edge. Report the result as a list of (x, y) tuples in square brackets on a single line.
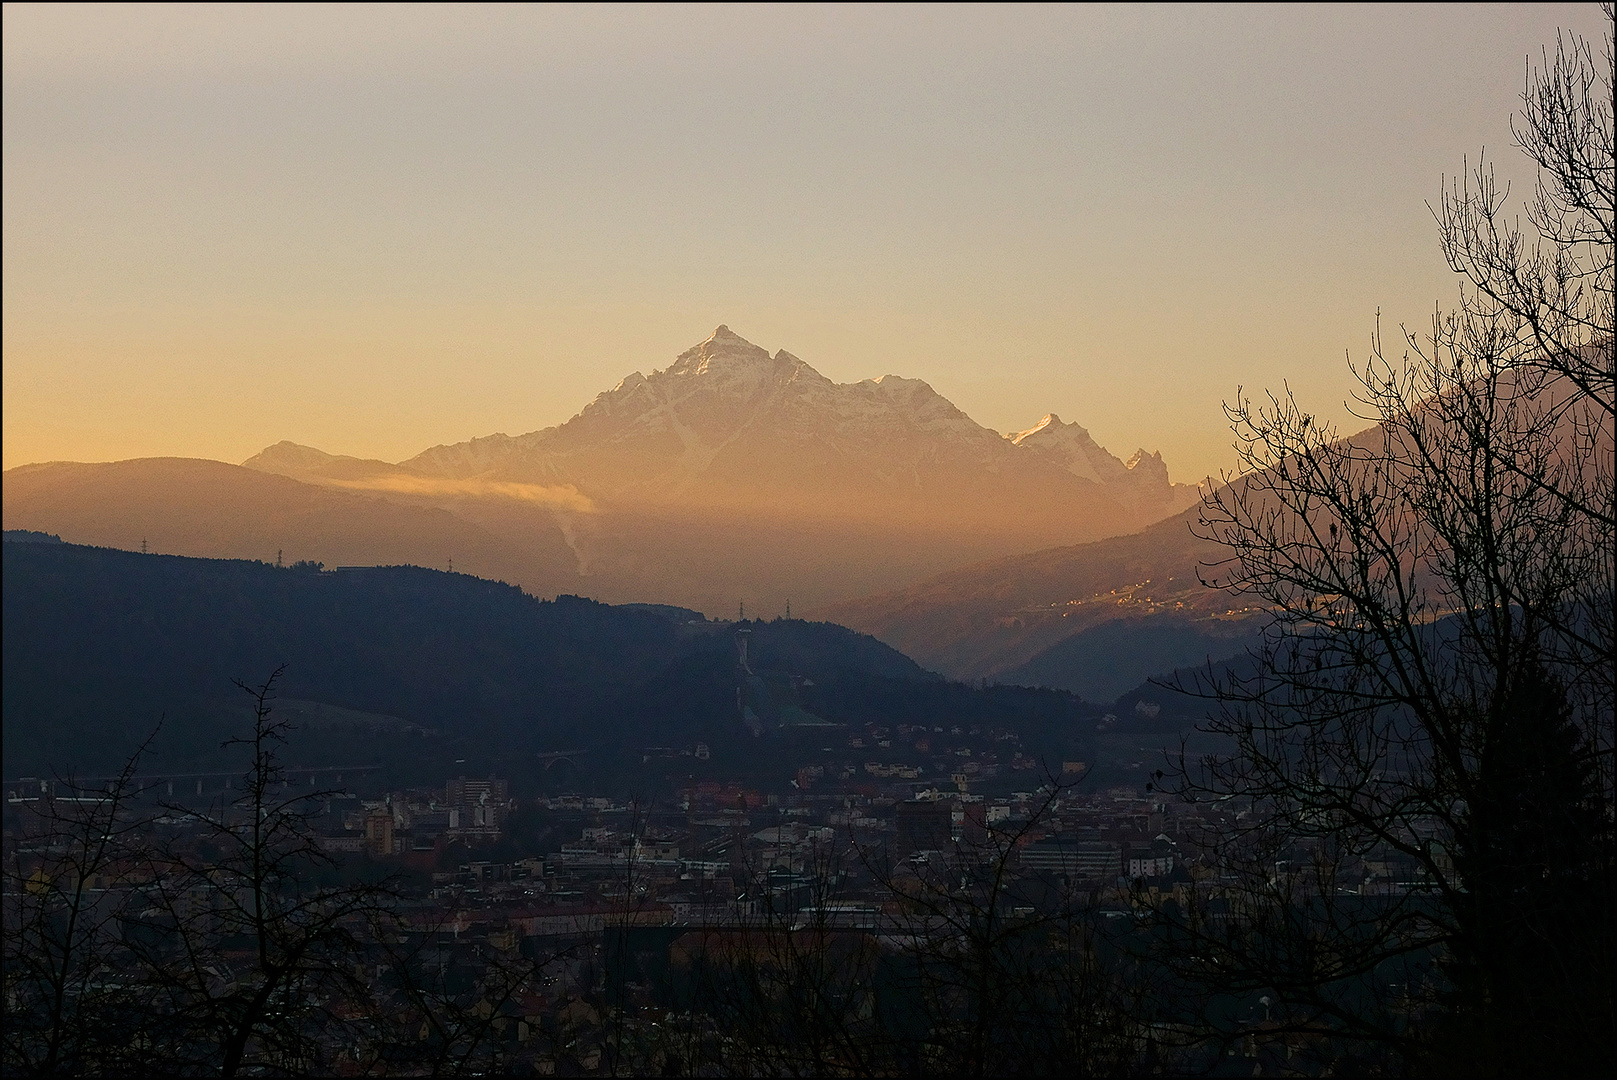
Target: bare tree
[(66, 1002), (1011, 972), (435, 1025), (243, 955), (143, 935), (781, 987), (1436, 689), (1537, 302)]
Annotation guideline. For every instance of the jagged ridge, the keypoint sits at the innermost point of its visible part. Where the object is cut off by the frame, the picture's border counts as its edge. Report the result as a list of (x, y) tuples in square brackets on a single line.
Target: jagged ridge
[(681, 429)]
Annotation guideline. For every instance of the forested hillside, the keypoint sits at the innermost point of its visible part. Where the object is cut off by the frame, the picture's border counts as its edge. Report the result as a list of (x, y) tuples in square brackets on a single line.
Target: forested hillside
[(423, 671)]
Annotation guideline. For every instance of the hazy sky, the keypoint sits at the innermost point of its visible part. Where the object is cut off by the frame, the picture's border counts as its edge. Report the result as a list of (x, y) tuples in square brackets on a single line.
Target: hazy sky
[(376, 229)]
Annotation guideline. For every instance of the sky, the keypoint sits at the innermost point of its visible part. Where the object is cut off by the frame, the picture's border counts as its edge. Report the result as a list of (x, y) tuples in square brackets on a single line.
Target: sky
[(376, 229)]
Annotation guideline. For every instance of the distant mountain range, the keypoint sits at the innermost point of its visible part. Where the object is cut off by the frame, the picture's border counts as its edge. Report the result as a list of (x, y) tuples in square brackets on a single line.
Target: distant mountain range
[(729, 427), (730, 476)]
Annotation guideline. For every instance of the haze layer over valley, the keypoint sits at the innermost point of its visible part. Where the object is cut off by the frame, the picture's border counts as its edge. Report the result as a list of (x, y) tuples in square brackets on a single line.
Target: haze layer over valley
[(730, 475)]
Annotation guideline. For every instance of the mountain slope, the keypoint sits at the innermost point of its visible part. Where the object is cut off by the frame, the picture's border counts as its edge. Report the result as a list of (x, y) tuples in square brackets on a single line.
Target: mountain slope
[(1103, 662), (1010, 618), (992, 618), (188, 506)]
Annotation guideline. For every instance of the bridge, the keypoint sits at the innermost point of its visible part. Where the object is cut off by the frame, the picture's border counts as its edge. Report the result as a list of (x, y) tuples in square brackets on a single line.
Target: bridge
[(25, 788)]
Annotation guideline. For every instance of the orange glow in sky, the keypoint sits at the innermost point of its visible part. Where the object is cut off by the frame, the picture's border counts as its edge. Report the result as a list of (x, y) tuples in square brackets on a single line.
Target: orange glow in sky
[(374, 229)]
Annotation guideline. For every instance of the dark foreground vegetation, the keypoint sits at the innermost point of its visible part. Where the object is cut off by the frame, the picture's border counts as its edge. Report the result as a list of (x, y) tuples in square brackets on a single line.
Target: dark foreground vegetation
[(1435, 694)]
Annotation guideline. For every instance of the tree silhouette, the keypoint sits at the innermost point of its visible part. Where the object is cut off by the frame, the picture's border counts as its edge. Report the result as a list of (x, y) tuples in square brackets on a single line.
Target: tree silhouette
[(1435, 691)]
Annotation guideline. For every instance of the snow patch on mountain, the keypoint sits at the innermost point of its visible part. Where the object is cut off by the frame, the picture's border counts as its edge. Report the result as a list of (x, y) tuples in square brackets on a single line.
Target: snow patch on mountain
[(472, 457), (1074, 448)]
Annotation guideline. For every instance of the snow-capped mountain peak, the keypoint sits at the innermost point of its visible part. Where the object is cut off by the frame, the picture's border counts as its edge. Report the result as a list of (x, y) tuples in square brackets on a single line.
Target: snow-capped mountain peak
[(1072, 446), (727, 420), (722, 351), (732, 470), (1051, 422)]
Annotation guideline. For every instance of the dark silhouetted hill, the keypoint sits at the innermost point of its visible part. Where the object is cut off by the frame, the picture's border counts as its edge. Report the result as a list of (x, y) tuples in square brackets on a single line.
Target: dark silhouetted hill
[(427, 672), (1105, 661)]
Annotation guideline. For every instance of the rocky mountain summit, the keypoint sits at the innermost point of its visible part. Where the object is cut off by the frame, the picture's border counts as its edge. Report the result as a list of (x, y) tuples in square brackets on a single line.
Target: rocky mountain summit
[(735, 472), (1142, 478), (727, 424)]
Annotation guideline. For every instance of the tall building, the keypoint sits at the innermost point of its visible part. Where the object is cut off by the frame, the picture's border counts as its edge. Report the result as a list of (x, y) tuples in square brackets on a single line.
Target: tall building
[(478, 805), (1079, 859), (379, 831)]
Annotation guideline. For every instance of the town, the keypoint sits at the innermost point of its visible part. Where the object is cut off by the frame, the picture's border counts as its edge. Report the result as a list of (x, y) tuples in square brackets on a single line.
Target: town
[(558, 933)]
